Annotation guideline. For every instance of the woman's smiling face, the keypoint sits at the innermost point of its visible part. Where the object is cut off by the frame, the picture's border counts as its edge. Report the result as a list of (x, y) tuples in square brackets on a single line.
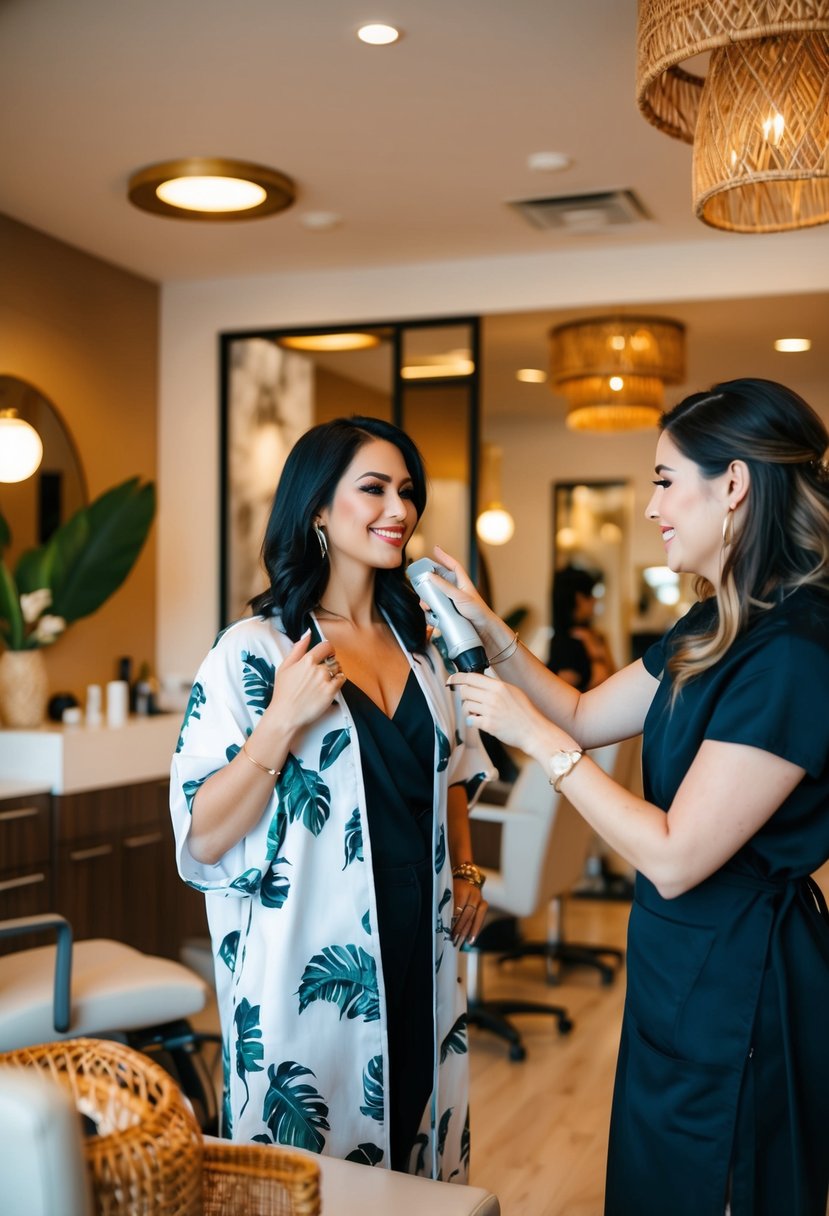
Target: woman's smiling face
[(372, 514), (690, 510)]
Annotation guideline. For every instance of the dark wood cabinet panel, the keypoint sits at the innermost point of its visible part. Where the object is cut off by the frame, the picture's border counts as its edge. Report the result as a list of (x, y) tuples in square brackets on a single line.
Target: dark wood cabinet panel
[(26, 887)]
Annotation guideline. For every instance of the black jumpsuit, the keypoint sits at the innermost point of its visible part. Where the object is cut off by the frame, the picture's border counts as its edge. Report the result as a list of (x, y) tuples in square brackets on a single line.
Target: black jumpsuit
[(398, 773), (722, 1087)]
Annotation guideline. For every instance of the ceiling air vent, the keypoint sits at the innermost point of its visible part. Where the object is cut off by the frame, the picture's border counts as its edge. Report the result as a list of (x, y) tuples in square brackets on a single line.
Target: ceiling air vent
[(583, 212)]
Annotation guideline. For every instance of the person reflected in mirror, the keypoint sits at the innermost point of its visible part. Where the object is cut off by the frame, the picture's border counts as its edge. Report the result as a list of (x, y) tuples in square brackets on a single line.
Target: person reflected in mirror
[(579, 653), (721, 1100), (320, 796)]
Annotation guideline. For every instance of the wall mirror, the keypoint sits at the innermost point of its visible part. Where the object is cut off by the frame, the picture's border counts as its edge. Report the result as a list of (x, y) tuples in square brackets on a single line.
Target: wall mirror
[(275, 384), (591, 530), (34, 508)]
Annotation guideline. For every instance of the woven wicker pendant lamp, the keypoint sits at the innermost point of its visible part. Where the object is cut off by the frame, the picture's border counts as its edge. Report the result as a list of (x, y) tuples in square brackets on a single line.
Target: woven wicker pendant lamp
[(759, 120), (613, 369)]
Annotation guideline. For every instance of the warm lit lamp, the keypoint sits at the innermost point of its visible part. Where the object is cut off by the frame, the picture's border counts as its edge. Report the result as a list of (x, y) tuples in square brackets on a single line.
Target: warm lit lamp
[(210, 188), (21, 449), (758, 120), (494, 525), (613, 370)]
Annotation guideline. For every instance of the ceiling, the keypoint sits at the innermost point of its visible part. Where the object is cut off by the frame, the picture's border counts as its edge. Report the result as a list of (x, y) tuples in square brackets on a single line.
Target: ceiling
[(419, 148)]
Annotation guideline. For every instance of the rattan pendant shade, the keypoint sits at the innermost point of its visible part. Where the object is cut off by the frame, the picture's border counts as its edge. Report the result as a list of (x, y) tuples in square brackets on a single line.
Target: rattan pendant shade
[(759, 120), (613, 370)]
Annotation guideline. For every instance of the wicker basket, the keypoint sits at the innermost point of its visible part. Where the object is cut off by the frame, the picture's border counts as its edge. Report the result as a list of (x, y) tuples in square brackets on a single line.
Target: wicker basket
[(148, 1157)]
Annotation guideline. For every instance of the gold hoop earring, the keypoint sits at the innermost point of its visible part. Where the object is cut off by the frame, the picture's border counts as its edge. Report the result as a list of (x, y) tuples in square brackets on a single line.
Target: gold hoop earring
[(728, 528), (322, 541)]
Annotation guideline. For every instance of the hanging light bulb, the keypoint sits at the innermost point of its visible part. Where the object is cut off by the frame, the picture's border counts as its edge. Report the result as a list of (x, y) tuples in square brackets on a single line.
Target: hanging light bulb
[(494, 525), (21, 449)]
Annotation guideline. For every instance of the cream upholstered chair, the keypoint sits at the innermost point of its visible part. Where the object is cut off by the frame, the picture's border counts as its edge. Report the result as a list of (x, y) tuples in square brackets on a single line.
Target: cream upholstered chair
[(544, 847), (106, 989)]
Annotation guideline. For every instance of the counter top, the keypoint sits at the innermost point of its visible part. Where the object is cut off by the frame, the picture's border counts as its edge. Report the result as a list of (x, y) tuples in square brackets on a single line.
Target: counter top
[(68, 759)]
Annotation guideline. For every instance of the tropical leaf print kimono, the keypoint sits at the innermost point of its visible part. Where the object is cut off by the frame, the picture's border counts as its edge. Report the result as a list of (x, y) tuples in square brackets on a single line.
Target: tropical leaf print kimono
[(293, 920)]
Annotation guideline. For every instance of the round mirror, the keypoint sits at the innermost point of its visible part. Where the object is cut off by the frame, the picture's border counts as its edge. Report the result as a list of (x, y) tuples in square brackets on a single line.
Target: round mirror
[(35, 507)]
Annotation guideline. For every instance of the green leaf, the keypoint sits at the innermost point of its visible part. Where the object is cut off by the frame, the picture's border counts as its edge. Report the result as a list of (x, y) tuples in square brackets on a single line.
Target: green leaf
[(353, 838), (366, 1154), (195, 701), (456, 1040), (422, 1139), (275, 888), (443, 1129), (34, 570), (443, 749), (276, 833), (191, 788), (249, 1049), (465, 1140), (258, 678), (295, 1112), (346, 976), (10, 612), (248, 882), (90, 556), (366, 922), (304, 795), (5, 533), (335, 741), (228, 950), (227, 1110), (373, 1089)]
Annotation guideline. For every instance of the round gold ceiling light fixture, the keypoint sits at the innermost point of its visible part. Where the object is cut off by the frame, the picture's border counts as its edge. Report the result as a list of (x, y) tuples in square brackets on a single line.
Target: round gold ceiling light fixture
[(356, 340), (211, 188), (612, 370)]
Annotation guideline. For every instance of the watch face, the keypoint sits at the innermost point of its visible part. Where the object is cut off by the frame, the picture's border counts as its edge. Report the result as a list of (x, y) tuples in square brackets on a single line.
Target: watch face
[(560, 763)]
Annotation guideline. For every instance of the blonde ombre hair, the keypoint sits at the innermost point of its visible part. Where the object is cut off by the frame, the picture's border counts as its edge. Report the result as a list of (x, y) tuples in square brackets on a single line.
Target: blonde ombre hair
[(782, 541)]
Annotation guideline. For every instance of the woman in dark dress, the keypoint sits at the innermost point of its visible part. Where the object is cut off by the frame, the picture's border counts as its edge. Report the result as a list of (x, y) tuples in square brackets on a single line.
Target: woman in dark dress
[(722, 1088), (579, 653)]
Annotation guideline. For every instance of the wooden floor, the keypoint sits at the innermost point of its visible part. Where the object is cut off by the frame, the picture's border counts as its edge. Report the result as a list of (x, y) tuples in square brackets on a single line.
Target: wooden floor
[(539, 1126)]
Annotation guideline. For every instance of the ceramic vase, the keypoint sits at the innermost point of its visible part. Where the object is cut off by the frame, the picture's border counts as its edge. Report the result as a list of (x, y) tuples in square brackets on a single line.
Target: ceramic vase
[(24, 689)]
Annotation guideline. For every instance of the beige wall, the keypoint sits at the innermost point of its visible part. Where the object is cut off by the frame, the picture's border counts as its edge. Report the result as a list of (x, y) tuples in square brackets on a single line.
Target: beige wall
[(86, 335)]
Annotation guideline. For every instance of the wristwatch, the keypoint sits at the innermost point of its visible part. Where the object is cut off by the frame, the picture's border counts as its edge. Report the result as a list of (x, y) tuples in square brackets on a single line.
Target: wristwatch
[(562, 763)]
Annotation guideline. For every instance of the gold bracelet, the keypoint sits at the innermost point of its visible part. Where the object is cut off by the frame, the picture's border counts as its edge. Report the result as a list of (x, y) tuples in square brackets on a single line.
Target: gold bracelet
[(273, 772), (507, 652), (469, 872)]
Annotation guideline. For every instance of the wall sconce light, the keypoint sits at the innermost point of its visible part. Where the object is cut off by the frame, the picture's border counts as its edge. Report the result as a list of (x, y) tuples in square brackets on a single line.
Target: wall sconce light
[(494, 525), (758, 120), (21, 449), (210, 188), (613, 370)]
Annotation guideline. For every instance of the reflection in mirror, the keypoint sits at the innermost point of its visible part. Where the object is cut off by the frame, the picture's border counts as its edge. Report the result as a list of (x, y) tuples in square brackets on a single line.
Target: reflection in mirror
[(591, 529), (662, 597), (34, 508), (275, 385)]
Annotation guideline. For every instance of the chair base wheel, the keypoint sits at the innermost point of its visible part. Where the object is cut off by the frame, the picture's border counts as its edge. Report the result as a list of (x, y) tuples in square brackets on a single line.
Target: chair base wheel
[(517, 1052), (565, 1025)]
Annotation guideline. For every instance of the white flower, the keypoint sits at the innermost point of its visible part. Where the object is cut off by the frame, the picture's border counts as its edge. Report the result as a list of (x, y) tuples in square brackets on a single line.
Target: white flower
[(48, 629), (33, 604)]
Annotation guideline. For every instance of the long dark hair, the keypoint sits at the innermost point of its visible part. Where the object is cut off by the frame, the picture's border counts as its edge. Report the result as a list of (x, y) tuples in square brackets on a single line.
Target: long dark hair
[(297, 571), (783, 539), (569, 582)]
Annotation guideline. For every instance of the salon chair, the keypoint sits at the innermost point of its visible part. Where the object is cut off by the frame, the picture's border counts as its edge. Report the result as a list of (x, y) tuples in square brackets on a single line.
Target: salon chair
[(106, 989)]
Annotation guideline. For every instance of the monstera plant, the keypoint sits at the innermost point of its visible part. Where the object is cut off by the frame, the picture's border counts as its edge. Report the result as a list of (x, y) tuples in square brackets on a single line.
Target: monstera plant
[(76, 570)]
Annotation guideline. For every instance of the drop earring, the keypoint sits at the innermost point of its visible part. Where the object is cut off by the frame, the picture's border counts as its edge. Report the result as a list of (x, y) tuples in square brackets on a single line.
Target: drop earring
[(322, 541), (728, 528)]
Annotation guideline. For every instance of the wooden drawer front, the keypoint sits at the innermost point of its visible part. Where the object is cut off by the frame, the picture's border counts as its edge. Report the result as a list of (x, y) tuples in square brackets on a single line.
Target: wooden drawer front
[(25, 894), (96, 813), (24, 831)]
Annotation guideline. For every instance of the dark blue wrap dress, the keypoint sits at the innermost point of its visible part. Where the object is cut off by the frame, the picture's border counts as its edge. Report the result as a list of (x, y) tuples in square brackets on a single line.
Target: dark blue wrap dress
[(722, 1087)]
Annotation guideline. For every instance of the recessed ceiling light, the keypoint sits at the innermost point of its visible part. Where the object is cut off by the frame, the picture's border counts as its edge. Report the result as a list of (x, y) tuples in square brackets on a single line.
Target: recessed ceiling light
[(531, 375), (790, 345), (548, 162), (322, 342), (376, 34), (210, 188), (319, 220)]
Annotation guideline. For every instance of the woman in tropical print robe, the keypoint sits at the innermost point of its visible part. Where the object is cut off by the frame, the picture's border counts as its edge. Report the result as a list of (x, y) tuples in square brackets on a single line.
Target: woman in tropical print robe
[(277, 819)]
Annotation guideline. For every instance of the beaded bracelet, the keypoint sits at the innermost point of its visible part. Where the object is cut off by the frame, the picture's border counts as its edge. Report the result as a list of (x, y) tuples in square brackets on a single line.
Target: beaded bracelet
[(507, 652), (274, 772), (468, 871)]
